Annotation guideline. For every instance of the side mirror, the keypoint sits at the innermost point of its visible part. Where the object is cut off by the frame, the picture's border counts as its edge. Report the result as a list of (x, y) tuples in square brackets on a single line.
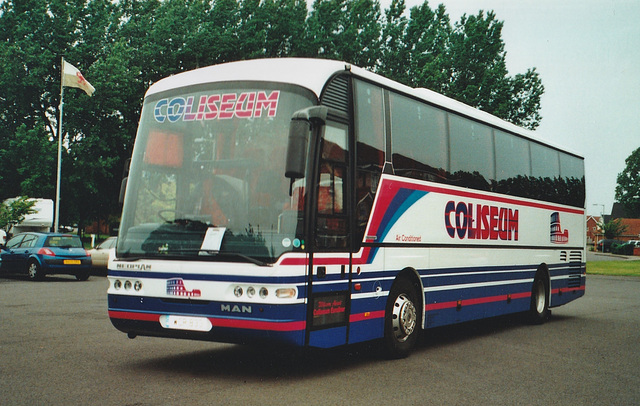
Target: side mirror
[(125, 178), (123, 188), (297, 149), (302, 122)]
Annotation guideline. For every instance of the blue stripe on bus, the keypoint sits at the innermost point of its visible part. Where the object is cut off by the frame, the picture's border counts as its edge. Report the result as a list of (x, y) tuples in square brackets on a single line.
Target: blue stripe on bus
[(401, 202), (211, 277)]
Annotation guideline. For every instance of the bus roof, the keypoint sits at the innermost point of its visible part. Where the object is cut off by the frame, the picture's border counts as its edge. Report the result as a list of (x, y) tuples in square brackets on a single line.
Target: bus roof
[(313, 74)]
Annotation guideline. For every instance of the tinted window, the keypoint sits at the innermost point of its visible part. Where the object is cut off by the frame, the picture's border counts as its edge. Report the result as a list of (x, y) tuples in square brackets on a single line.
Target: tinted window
[(29, 241), (332, 218), (544, 162), (571, 167), (419, 139), (572, 174), (67, 241), (370, 123), (370, 144), (15, 241), (471, 152), (512, 156)]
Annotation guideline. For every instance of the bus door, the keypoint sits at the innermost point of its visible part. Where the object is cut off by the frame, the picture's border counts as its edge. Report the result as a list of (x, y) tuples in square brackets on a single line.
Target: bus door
[(330, 261)]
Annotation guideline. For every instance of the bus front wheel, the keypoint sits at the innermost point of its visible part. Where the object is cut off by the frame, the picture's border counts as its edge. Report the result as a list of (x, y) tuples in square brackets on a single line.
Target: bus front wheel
[(401, 324)]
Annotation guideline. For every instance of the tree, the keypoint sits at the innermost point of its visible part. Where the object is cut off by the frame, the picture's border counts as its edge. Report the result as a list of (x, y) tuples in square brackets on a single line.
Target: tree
[(479, 76), (428, 39), (286, 27), (348, 30), (628, 188), (613, 228), (15, 211), (394, 49), (466, 61), (123, 46), (97, 133)]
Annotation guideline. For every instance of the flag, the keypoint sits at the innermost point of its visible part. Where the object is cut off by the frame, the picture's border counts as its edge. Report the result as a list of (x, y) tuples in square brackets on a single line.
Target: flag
[(72, 77)]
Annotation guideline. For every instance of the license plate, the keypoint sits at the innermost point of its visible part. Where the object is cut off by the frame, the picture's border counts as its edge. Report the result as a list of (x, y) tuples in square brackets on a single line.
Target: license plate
[(71, 262), (185, 323)]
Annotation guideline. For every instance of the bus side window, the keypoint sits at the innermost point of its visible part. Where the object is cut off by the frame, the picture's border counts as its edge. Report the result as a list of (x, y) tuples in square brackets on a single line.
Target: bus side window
[(332, 228), (370, 156), (330, 190)]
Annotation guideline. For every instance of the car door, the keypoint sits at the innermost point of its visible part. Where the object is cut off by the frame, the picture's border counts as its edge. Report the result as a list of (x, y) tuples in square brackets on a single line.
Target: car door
[(24, 251), (10, 253)]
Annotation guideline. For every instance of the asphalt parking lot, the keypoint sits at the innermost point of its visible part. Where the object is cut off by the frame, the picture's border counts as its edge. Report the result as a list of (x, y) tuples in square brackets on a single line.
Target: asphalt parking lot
[(58, 347)]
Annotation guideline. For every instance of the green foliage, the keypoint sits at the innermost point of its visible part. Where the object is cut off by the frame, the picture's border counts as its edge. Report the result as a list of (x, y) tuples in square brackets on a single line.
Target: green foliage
[(15, 211), (345, 30), (628, 188), (614, 268), (613, 228), (622, 249), (123, 46)]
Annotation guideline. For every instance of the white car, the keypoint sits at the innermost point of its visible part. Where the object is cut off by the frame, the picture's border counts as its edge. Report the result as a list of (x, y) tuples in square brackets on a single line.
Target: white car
[(100, 254)]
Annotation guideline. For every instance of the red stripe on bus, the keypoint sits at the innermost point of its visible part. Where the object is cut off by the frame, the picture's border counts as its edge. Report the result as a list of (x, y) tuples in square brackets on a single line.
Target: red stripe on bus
[(477, 301), (134, 316), (259, 325), (231, 323), (566, 290), (366, 316)]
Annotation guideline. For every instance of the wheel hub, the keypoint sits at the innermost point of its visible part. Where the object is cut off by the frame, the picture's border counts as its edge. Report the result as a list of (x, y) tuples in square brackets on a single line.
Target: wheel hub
[(33, 270), (404, 318), (540, 299)]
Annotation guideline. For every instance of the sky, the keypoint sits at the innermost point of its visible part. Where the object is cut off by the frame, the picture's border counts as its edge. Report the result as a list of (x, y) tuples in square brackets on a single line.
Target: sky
[(587, 53)]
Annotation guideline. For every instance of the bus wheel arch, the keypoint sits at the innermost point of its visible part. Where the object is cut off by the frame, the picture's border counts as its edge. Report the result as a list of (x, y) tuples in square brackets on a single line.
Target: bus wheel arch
[(403, 315), (540, 296)]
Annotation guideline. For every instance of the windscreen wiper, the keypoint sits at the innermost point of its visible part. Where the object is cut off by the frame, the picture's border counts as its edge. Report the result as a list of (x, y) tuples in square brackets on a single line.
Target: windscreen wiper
[(236, 255), (191, 224)]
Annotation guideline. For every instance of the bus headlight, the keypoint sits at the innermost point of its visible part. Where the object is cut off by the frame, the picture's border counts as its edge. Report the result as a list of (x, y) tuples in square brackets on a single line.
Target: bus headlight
[(264, 292), (237, 291), (251, 291)]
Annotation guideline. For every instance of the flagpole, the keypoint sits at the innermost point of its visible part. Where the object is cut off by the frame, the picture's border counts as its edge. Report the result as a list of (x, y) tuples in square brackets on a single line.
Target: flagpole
[(57, 214)]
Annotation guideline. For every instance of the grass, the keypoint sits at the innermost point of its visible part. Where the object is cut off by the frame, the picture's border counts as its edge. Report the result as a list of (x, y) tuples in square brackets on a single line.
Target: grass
[(614, 268)]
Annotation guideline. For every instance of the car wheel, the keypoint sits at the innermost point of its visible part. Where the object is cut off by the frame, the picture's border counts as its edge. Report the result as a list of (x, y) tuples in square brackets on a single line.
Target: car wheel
[(35, 271), (82, 276), (402, 320)]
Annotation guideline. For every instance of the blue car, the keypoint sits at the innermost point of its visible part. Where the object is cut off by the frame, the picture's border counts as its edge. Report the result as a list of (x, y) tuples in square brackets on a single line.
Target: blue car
[(40, 254)]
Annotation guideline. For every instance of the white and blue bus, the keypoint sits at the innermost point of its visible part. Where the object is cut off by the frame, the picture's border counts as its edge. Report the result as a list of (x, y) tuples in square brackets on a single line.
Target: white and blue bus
[(313, 203)]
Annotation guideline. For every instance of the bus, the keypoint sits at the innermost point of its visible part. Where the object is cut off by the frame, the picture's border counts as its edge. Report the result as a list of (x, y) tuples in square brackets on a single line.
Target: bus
[(313, 203)]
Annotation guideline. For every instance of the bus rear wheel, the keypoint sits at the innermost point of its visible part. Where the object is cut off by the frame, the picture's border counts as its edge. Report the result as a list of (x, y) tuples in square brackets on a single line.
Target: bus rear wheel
[(401, 324), (539, 311)]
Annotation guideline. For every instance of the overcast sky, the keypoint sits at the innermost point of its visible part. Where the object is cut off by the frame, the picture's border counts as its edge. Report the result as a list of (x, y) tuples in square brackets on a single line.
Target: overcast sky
[(587, 53)]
